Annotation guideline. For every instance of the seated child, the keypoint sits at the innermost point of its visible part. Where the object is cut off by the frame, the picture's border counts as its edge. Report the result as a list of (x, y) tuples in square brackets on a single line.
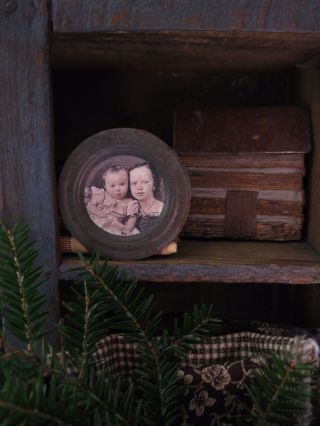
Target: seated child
[(110, 208)]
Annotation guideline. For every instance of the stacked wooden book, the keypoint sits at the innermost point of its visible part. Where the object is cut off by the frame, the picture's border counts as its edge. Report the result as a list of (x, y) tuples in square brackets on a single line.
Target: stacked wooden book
[(247, 168)]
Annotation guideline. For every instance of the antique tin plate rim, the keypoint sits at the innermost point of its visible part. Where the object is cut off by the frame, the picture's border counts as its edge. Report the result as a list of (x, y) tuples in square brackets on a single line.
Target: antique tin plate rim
[(129, 142)]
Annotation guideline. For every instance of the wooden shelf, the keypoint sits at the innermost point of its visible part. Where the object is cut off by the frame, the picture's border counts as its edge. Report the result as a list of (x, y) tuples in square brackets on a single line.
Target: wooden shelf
[(222, 262)]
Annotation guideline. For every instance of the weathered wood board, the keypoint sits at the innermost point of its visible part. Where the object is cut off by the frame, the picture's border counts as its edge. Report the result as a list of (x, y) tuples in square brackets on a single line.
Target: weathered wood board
[(148, 15), (183, 35), (276, 213), (27, 182), (222, 262), (243, 130), (246, 167), (307, 84)]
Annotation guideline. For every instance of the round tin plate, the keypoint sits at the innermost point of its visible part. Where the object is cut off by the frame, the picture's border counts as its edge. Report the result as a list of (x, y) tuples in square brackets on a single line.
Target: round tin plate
[(142, 217)]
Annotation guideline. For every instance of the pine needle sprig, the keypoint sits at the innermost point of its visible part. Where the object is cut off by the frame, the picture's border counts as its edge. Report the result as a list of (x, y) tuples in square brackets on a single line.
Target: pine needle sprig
[(99, 394), (136, 317), (126, 303), (196, 326), (46, 391), (35, 401), (49, 396), (134, 314), (85, 324), (281, 391), (172, 349), (23, 305)]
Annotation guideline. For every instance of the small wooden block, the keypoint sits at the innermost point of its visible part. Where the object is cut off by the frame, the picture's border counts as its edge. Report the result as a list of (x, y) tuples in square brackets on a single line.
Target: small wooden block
[(233, 215), (248, 214), (241, 214), (246, 168), (249, 130)]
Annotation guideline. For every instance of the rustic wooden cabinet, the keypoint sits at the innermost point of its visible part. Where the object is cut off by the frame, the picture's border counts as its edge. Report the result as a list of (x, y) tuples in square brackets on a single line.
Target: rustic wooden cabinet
[(70, 68)]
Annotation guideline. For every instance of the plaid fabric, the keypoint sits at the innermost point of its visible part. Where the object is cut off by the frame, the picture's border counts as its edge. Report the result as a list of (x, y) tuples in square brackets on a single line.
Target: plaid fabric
[(237, 346), (115, 355), (120, 357), (215, 372)]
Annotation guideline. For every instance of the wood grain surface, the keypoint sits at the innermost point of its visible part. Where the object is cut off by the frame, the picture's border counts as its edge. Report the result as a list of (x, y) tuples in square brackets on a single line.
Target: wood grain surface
[(248, 181), (183, 35), (223, 262), (207, 205), (248, 214), (280, 208), (148, 15), (245, 196), (183, 51), (307, 81), (27, 183), (233, 214), (243, 161), (214, 206), (210, 227), (278, 231), (249, 130)]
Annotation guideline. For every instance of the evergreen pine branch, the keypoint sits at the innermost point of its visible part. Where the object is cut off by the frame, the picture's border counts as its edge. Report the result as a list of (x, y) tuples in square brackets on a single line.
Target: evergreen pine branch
[(99, 394), (135, 316), (35, 401), (101, 398), (40, 390), (47, 395), (13, 414), (281, 391), (195, 327), (171, 393), (22, 303), (85, 325), (161, 390)]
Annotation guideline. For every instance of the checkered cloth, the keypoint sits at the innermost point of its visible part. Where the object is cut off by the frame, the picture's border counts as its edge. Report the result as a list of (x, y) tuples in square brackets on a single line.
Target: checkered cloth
[(117, 356)]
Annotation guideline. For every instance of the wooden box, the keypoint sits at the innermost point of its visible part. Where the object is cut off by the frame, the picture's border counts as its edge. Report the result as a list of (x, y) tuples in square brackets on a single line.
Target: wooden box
[(246, 167)]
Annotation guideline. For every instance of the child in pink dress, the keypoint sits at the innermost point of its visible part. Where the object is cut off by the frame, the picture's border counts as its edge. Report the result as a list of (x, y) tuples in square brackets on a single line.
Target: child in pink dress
[(110, 208)]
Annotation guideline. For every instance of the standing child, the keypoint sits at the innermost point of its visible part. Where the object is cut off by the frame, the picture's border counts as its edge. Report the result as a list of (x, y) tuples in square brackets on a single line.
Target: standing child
[(110, 208), (145, 188)]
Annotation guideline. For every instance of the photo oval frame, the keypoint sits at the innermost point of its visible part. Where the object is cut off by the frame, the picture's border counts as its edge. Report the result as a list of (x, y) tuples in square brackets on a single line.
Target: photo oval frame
[(101, 216)]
